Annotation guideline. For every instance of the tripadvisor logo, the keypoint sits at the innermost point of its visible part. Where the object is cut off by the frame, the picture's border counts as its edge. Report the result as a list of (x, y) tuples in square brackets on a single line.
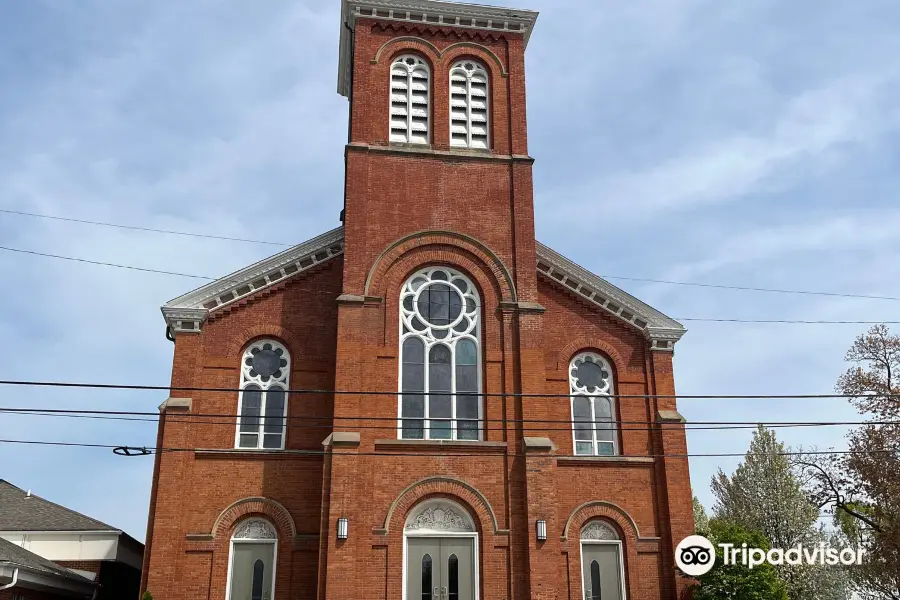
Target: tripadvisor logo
[(696, 555)]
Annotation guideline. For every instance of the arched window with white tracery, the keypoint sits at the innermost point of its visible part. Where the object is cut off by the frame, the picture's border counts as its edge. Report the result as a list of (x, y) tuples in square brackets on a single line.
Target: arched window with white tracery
[(592, 389), (262, 403), (440, 357), (469, 120), (410, 94)]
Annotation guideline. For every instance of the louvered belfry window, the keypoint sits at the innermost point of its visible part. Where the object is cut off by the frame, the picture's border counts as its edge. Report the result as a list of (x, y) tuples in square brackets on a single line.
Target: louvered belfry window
[(409, 100), (468, 105)]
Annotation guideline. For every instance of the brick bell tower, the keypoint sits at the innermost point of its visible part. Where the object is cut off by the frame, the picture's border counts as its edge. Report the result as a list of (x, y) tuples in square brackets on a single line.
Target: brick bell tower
[(437, 173)]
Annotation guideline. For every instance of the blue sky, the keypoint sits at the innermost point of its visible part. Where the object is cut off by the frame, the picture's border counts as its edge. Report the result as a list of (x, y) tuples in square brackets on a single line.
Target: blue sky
[(746, 142)]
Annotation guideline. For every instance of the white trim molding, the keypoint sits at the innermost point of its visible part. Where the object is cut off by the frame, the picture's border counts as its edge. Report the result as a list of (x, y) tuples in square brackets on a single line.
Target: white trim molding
[(188, 313), (428, 12), (660, 330)]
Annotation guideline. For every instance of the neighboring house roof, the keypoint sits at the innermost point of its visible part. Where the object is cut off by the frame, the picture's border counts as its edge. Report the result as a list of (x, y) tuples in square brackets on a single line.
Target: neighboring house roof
[(21, 511), (14, 555), (188, 312)]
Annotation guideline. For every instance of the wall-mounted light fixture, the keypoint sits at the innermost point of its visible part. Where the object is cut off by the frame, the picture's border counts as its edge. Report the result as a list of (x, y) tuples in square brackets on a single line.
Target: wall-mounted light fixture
[(343, 528), (541, 527)]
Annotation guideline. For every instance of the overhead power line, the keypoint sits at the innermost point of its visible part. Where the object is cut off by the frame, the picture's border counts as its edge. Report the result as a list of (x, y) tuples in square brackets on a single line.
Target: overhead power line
[(290, 453), (167, 388), (750, 289), (104, 264), (693, 319), (786, 321), (309, 423), (135, 228), (620, 277)]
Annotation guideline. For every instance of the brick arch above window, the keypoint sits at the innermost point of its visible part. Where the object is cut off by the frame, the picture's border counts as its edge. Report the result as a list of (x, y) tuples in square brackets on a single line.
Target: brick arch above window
[(406, 44), (248, 335), (401, 44), (442, 247), (610, 513), (244, 508), (475, 51), (450, 488), (587, 344)]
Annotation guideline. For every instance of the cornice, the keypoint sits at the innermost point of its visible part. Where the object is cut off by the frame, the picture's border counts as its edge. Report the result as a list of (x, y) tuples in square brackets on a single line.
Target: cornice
[(662, 331), (187, 313), (427, 12)]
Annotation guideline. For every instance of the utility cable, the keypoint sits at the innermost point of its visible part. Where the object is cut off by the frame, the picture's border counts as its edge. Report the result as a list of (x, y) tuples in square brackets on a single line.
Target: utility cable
[(201, 420), (619, 277), (288, 453), (135, 228), (167, 388)]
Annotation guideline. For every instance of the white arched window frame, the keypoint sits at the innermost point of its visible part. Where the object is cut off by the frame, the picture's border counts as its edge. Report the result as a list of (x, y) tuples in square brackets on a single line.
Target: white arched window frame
[(440, 374), (593, 406), (253, 531), (410, 106), (469, 105), (262, 402)]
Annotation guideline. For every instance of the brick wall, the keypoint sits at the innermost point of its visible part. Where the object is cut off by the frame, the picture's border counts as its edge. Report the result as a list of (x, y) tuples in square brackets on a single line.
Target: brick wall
[(477, 215)]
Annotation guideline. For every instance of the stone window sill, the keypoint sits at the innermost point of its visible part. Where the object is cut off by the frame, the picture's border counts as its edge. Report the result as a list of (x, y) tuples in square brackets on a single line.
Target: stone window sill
[(436, 446), (233, 453), (604, 460)]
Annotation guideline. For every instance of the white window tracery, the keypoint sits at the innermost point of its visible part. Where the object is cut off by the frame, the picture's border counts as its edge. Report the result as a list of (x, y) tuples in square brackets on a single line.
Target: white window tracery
[(469, 120), (599, 531), (439, 516), (410, 95), (254, 529), (440, 357), (262, 402), (592, 388)]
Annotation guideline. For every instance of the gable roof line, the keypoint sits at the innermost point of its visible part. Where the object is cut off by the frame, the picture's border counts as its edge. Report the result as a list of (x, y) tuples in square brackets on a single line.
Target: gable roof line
[(187, 313), (12, 509), (662, 330), (18, 557)]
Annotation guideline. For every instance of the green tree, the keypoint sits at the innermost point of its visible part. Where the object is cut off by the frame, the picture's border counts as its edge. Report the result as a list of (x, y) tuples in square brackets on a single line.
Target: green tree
[(701, 519), (738, 581), (766, 494), (863, 488)]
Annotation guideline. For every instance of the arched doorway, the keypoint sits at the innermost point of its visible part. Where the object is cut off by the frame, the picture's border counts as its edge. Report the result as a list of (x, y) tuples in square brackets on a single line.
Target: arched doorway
[(251, 569), (440, 553), (602, 568)]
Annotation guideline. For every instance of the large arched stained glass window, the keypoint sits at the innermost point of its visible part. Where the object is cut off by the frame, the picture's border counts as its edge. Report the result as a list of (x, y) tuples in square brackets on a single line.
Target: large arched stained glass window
[(593, 409), (440, 358), (265, 374)]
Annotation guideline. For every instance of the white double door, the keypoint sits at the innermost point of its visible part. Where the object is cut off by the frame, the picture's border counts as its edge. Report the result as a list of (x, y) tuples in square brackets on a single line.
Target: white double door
[(440, 568)]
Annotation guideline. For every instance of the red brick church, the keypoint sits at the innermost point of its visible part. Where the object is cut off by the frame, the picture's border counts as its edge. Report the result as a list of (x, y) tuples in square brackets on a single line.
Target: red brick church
[(454, 429)]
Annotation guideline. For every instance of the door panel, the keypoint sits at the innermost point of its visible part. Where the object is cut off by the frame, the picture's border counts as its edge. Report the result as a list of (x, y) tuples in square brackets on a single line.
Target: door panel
[(440, 569), (457, 569), (251, 571), (601, 572), (423, 572)]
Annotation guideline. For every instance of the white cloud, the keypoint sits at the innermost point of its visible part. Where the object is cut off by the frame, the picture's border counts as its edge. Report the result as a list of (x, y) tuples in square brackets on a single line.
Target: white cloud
[(810, 130)]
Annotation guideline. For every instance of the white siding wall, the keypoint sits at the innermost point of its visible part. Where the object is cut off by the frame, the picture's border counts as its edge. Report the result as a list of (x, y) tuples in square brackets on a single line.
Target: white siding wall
[(61, 545)]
